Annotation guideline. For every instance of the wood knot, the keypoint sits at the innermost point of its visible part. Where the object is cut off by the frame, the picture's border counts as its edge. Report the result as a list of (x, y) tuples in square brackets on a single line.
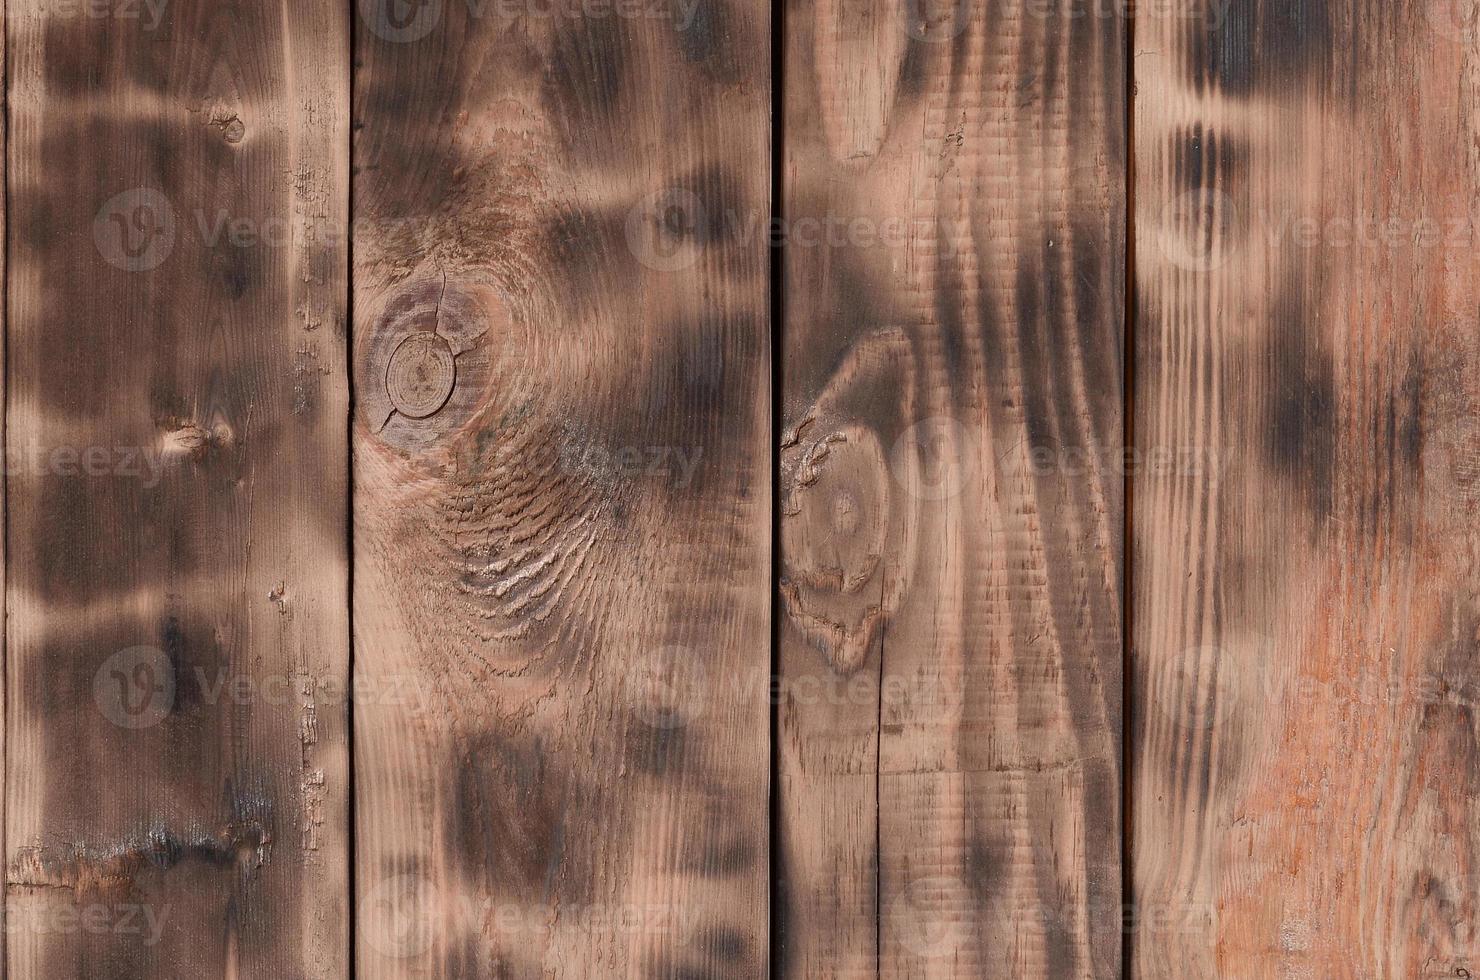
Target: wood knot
[(837, 520), (432, 356), (421, 375)]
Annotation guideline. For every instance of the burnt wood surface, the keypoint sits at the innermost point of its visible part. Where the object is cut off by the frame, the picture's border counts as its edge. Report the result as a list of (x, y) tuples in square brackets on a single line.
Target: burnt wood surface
[(550, 488), (177, 564), (563, 490), (1306, 626), (951, 517)]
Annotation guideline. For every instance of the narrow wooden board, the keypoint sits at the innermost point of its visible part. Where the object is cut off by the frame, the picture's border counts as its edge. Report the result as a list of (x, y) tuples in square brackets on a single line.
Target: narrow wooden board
[(951, 517), (562, 504), (177, 429), (1307, 618)]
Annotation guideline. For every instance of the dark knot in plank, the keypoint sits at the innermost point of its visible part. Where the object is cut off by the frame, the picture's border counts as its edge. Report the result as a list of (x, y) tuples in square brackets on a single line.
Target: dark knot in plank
[(421, 375)]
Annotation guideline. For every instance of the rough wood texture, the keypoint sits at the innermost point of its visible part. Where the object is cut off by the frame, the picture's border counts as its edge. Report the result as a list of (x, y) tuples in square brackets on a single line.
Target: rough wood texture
[(177, 586), (562, 501), (1307, 616), (951, 500)]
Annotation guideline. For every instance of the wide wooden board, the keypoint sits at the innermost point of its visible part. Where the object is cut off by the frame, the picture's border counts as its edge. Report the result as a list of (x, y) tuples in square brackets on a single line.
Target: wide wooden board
[(951, 518), (177, 631), (1307, 617), (562, 489)]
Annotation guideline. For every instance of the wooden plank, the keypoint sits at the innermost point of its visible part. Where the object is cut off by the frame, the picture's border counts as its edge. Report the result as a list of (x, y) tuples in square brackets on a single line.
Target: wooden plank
[(562, 509), (176, 422), (1307, 615), (951, 496)]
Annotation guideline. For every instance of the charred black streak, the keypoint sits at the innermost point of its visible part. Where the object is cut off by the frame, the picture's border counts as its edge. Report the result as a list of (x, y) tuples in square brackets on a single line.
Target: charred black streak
[(723, 207), (1037, 412), (725, 944), (702, 28), (579, 246), (587, 79), (507, 817), (237, 268), (724, 859), (243, 845), (1408, 409), (658, 750), (1206, 158), (1300, 430), (912, 70), (1244, 46)]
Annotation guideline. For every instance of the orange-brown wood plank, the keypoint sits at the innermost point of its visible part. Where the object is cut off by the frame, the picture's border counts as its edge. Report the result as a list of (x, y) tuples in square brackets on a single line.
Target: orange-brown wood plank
[(951, 516), (563, 505), (177, 408), (1306, 608)]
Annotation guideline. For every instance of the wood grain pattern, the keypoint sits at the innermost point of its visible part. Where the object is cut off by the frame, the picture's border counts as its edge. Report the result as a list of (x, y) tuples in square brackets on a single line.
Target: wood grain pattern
[(951, 511), (1306, 603), (177, 587), (562, 489)]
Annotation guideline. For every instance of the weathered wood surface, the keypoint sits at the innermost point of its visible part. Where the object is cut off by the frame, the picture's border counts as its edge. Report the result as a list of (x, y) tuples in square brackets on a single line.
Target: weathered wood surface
[(1307, 617), (176, 418), (562, 508), (951, 517)]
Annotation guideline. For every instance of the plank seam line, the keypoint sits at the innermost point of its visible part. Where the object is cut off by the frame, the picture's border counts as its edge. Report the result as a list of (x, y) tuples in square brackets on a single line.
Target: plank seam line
[(1127, 505), (775, 890), (352, 836)]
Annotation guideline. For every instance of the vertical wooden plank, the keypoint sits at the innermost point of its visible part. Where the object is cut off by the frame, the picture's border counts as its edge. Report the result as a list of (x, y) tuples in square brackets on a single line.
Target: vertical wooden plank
[(562, 471), (176, 426), (951, 511), (1307, 612)]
